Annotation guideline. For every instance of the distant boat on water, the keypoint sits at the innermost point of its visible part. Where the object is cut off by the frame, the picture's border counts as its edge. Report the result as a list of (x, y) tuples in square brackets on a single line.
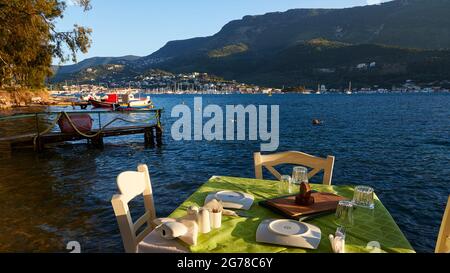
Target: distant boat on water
[(318, 90), (349, 91)]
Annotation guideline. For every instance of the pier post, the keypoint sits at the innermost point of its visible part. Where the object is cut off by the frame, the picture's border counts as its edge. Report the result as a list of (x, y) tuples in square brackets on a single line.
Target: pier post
[(159, 133), (149, 137), (98, 141), (158, 129), (39, 144)]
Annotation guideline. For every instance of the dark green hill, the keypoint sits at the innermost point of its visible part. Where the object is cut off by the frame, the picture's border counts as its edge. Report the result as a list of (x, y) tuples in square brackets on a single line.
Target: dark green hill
[(406, 23), (307, 46), (317, 61), (330, 63)]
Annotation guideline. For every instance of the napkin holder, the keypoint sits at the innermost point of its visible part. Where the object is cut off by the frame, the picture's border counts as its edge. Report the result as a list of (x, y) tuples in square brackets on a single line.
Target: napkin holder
[(197, 220), (185, 229)]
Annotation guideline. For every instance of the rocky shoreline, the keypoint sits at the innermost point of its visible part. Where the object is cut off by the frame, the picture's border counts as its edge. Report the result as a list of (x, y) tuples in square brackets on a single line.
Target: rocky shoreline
[(23, 98)]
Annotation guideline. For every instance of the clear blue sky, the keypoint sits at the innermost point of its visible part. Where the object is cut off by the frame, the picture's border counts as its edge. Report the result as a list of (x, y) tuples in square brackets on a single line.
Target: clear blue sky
[(140, 27)]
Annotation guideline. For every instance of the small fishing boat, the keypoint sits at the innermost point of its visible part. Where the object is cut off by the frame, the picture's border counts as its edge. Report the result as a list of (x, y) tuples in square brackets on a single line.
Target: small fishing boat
[(111, 102), (349, 90), (86, 97), (129, 102)]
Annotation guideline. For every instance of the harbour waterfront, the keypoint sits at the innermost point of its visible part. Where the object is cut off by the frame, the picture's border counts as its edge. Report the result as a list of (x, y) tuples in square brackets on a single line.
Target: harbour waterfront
[(398, 144)]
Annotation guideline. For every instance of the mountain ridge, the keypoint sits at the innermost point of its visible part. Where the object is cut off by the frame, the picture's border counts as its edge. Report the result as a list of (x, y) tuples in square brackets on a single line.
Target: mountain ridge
[(236, 51)]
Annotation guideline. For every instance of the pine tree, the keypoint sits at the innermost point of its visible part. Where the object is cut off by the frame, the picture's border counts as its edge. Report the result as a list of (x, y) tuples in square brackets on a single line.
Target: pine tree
[(29, 40)]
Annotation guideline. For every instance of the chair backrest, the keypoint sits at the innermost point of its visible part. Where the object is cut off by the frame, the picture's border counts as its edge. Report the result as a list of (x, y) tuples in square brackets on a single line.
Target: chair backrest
[(443, 241), (317, 164), (131, 185)]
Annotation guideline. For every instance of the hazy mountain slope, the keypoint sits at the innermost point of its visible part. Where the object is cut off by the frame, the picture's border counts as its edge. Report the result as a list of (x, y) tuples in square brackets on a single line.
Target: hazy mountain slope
[(91, 62)]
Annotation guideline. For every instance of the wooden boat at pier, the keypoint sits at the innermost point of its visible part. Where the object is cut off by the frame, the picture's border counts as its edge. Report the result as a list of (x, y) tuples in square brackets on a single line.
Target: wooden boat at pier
[(127, 103), (111, 102)]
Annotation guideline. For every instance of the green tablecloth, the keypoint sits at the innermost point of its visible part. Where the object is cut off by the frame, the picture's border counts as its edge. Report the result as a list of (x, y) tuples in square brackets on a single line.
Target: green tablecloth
[(238, 235)]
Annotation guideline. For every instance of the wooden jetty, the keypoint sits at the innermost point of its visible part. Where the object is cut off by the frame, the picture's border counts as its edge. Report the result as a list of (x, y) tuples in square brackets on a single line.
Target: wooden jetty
[(83, 105), (152, 132)]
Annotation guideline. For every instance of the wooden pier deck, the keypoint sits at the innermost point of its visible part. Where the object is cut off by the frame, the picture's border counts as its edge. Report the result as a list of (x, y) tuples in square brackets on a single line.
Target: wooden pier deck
[(152, 136)]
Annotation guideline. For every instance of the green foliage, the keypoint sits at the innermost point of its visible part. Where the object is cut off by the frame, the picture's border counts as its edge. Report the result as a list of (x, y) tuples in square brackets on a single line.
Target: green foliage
[(29, 40)]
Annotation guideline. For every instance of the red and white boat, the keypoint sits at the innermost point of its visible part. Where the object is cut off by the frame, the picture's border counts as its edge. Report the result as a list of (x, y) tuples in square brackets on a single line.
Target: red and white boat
[(111, 102)]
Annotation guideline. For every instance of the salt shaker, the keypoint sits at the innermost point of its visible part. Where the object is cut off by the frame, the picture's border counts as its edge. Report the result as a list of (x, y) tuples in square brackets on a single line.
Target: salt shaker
[(203, 220)]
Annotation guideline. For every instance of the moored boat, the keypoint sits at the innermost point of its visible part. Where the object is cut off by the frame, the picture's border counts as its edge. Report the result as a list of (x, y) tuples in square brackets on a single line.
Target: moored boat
[(129, 102), (349, 90), (111, 102)]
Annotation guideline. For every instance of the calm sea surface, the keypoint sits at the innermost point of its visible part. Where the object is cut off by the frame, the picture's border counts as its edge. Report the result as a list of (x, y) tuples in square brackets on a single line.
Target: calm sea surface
[(399, 144)]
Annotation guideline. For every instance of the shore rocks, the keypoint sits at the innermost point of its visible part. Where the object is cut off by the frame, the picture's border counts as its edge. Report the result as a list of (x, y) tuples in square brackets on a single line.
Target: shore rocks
[(4, 100), (22, 98)]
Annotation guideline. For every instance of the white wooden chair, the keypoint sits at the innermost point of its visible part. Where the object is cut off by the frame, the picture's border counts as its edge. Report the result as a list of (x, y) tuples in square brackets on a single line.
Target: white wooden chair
[(317, 164), (443, 241), (132, 184)]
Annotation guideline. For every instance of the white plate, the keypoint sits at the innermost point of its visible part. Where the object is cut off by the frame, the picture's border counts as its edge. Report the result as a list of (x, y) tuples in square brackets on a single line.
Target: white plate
[(288, 233), (232, 199), (288, 227), (230, 196)]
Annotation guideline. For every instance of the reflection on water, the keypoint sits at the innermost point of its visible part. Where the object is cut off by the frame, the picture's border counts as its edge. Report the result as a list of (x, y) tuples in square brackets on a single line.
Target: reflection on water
[(397, 144)]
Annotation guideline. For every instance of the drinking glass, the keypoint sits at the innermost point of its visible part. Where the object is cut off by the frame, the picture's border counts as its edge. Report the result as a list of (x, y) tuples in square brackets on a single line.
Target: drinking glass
[(363, 197), (299, 175), (285, 184), (344, 214)]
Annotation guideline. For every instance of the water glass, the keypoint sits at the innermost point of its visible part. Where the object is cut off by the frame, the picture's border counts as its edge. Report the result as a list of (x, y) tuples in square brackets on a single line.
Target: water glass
[(285, 184), (299, 175), (364, 197), (344, 214)]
